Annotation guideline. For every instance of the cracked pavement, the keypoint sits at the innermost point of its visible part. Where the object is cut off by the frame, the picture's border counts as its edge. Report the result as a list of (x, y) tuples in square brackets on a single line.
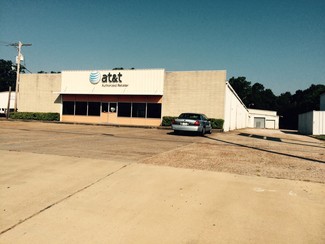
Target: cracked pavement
[(63, 183)]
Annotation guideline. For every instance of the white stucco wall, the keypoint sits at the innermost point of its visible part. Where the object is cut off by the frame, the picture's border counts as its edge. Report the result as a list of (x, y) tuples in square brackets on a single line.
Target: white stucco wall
[(236, 114), (312, 123), (39, 93), (195, 91)]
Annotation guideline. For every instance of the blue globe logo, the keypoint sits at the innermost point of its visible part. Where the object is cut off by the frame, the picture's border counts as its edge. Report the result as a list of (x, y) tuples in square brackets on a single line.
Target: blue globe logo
[(94, 77)]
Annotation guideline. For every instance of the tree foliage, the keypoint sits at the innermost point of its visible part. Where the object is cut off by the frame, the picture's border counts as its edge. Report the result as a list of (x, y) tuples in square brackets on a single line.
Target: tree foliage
[(287, 105), (243, 89), (8, 75), (253, 96)]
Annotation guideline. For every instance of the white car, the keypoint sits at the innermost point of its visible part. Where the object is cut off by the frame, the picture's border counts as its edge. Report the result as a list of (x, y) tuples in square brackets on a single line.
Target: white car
[(192, 122)]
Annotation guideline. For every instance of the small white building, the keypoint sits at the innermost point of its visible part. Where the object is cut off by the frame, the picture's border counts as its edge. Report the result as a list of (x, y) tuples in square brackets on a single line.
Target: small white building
[(313, 122), (4, 102), (263, 119)]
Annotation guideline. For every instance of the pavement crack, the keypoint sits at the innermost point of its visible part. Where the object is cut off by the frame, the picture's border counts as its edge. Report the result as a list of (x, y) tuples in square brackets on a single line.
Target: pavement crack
[(61, 200)]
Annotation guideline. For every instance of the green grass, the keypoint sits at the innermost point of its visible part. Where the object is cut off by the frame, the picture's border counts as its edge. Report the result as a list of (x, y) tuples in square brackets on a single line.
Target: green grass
[(320, 137)]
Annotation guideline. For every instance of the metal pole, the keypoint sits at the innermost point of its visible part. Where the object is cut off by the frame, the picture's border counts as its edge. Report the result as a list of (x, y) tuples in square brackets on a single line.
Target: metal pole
[(18, 45), (17, 77), (8, 105)]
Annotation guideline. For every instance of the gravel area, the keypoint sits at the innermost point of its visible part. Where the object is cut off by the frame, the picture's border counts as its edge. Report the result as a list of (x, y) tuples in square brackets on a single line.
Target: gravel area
[(267, 153)]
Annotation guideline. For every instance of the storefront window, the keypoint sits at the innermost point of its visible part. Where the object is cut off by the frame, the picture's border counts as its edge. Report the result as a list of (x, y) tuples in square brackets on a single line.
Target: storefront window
[(135, 110), (124, 110), (81, 108), (94, 108), (139, 110), (153, 110), (68, 108), (104, 107)]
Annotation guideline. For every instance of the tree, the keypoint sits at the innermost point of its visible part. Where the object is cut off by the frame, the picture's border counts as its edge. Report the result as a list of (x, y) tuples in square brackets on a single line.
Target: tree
[(302, 102), (243, 89), (287, 105), (8, 75), (290, 106), (255, 96), (263, 98)]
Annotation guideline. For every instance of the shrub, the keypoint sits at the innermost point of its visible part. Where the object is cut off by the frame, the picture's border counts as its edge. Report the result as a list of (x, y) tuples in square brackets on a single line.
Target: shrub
[(35, 116), (217, 123), (167, 120)]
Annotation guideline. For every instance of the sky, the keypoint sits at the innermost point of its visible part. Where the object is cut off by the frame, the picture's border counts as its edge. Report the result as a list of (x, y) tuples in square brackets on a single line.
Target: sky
[(278, 43)]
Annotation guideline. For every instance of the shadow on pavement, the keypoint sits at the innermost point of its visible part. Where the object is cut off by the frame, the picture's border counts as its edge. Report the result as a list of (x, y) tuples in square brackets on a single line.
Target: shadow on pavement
[(292, 132), (261, 137), (268, 151), (278, 139)]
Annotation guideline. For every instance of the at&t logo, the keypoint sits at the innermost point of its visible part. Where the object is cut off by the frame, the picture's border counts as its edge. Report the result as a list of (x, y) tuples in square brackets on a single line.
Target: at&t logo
[(94, 77)]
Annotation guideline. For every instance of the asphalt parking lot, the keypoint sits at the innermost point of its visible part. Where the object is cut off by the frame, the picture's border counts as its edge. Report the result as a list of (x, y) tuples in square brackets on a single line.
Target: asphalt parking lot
[(66, 183)]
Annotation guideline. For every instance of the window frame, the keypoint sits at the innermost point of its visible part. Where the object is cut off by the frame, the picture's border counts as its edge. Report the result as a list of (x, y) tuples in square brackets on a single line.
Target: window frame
[(93, 114), (78, 109), (149, 111), (119, 110), (74, 107), (142, 111)]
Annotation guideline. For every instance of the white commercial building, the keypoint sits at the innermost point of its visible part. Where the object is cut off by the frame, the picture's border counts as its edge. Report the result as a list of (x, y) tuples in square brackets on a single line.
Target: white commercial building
[(134, 97), (4, 99)]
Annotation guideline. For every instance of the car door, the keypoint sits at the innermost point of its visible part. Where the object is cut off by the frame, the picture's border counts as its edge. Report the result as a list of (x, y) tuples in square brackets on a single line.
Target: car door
[(206, 122)]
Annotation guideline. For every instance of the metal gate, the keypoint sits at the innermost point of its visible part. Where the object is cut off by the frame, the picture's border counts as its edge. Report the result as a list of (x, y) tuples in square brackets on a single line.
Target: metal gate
[(259, 123)]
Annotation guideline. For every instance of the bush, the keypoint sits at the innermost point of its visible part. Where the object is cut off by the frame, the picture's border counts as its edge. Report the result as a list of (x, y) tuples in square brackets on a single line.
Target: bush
[(35, 116), (167, 120), (217, 123)]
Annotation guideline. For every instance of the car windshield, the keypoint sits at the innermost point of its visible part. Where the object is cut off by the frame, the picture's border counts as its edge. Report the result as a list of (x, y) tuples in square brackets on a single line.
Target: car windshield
[(189, 116)]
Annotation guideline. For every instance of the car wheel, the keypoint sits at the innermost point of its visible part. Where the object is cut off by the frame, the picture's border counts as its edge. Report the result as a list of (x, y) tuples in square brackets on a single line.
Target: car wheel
[(203, 131), (210, 131)]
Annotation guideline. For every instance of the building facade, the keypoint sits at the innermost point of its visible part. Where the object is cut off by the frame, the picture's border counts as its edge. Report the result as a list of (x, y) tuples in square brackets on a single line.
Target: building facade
[(264, 119), (313, 122), (132, 97), (38, 93), (7, 99)]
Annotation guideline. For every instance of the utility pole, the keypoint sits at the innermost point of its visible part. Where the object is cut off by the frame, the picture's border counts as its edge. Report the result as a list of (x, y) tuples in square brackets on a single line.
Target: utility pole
[(18, 45), (8, 105)]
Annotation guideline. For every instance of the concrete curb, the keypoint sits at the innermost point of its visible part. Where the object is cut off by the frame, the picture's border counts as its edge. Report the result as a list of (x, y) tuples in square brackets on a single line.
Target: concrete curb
[(96, 124)]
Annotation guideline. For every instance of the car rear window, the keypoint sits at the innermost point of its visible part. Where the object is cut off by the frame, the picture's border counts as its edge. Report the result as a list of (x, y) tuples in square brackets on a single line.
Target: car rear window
[(190, 116)]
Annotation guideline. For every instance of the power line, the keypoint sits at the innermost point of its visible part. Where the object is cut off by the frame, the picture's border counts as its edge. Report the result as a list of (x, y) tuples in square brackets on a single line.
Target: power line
[(4, 43)]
